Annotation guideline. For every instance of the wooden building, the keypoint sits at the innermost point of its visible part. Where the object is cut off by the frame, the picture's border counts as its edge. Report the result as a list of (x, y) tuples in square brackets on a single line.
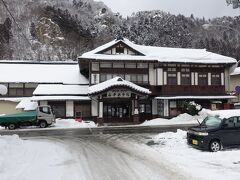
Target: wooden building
[(172, 76)]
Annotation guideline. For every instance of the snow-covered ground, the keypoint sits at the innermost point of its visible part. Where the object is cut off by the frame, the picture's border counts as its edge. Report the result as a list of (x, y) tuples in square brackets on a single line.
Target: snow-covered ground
[(202, 165), (181, 119), (72, 123), (28, 159)]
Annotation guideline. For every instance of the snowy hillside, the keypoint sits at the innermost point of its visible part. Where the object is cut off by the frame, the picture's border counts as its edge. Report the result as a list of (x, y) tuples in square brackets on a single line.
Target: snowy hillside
[(64, 29)]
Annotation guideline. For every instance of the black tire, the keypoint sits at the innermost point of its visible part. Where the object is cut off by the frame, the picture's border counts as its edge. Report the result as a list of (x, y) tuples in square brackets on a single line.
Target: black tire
[(215, 146), (43, 124), (12, 126)]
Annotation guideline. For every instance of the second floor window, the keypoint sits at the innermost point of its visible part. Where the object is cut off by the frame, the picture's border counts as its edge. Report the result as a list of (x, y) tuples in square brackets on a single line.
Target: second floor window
[(202, 79), (119, 49), (216, 79), (172, 76), (185, 76)]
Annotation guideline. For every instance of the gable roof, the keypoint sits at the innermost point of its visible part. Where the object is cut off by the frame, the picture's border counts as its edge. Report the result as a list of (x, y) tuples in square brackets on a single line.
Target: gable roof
[(160, 54), (21, 72), (116, 82)]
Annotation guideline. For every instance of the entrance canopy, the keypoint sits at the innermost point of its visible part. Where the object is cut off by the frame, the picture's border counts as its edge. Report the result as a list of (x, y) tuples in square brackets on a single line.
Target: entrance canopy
[(116, 83)]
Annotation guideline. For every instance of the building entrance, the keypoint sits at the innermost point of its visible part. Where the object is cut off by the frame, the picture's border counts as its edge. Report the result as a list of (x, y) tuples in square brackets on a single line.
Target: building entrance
[(117, 112)]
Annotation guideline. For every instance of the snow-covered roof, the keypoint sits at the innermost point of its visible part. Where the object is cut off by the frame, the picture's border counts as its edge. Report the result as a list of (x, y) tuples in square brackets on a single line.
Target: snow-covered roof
[(160, 54), (41, 73), (116, 82), (60, 89), (236, 71), (196, 97), (27, 105), (59, 98), (225, 113)]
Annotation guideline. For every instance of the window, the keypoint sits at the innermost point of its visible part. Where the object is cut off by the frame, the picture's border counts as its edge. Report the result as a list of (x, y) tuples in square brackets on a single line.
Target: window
[(95, 66), (103, 77), (160, 107), (145, 108), (16, 90), (130, 65), (202, 79), (142, 65), (172, 79), (109, 76), (119, 49), (45, 110), (216, 79), (127, 77), (145, 78), (133, 78), (185, 76), (118, 65), (106, 65)]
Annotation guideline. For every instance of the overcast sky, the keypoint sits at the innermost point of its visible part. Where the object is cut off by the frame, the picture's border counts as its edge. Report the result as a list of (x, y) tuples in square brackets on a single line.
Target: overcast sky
[(200, 8)]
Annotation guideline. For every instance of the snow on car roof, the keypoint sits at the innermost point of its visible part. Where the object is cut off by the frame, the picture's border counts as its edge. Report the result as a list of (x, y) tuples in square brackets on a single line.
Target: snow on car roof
[(225, 113), (161, 54), (21, 72)]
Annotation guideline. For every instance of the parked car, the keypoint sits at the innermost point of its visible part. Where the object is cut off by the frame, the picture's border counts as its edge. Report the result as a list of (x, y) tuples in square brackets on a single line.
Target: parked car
[(216, 131), (42, 117)]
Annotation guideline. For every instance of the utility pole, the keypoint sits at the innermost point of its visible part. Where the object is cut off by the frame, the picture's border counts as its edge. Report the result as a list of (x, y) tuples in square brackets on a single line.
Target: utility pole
[(235, 3)]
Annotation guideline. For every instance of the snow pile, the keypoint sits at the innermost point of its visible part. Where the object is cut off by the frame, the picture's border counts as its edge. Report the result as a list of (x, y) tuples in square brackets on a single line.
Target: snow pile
[(28, 159), (3, 90), (225, 113), (199, 164), (181, 119), (72, 123)]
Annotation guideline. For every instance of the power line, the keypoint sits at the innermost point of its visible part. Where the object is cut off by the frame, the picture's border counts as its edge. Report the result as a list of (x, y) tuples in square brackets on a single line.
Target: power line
[(21, 30)]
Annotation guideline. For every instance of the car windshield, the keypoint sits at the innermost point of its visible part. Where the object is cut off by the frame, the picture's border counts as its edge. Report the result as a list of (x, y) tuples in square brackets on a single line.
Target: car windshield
[(211, 121)]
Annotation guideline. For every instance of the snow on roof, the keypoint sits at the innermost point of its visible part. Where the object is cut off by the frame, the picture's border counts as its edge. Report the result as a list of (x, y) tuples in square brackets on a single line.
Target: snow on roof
[(117, 81), (41, 73), (13, 99), (236, 71), (161, 54), (225, 113), (60, 89), (27, 105), (196, 97), (59, 98)]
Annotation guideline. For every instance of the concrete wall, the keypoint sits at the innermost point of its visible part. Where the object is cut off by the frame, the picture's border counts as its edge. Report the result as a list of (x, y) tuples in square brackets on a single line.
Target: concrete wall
[(8, 107), (69, 109)]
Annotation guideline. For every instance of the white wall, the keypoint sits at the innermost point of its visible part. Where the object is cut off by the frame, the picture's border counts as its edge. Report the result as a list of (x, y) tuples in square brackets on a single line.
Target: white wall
[(152, 75), (166, 108), (159, 76), (94, 106), (154, 107), (69, 109), (209, 79)]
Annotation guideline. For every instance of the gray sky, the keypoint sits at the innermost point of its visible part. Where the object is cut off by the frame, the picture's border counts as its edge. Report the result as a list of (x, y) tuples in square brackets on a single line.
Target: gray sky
[(200, 8)]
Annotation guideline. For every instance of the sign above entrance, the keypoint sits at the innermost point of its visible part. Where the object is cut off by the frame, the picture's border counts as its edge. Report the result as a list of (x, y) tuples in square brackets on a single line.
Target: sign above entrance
[(119, 94)]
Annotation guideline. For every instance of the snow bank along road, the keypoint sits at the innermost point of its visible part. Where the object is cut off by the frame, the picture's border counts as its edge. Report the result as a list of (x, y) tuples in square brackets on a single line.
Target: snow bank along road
[(95, 157)]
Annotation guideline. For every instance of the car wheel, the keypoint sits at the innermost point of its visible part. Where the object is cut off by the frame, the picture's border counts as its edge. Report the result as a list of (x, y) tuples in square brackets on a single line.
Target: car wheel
[(43, 124), (215, 146), (11, 126)]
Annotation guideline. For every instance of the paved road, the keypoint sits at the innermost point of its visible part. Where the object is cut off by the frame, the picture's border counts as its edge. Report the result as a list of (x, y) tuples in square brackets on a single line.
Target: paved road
[(114, 157), (96, 130)]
